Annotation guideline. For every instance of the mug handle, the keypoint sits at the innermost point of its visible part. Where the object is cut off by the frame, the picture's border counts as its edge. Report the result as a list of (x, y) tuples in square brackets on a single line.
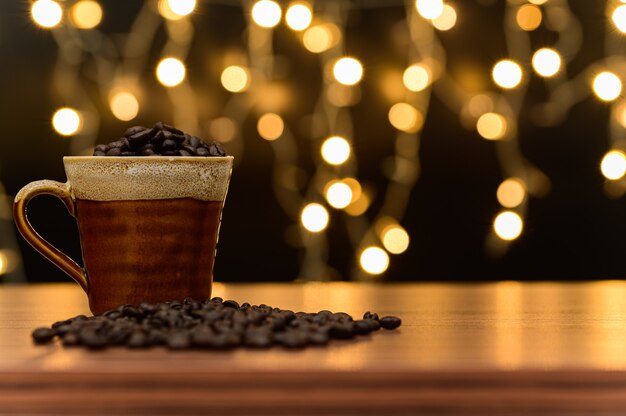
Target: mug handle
[(59, 259)]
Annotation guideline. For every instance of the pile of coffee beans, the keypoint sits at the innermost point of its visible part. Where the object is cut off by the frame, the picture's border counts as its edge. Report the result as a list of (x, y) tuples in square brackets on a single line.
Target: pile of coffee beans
[(160, 140), (211, 324)]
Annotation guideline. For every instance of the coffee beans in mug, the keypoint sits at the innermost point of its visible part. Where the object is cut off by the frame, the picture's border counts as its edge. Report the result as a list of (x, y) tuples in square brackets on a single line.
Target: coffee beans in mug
[(160, 140), (210, 324)]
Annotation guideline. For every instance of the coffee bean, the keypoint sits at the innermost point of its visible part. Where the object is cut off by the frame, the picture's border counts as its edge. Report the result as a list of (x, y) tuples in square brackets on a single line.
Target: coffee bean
[(321, 318), (341, 316), (178, 341), (362, 327), (91, 339), (118, 336), (132, 312), (171, 129), (134, 130), (43, 335), (191, 303), (138, 340), (318, 338), (195, 141), (158, 138), (369, 315), (231, 304), (168, 144), (116, 144), (156, 337), (373, 323), (216, 149), (63, 329), (70, 339), (342, 331), (201, 151), (390, 322), (258, 340), (59, 323), (223, 341), (165, 140), (202, 338), (141, 138), (209, 324), (147, 308), (295, 339)]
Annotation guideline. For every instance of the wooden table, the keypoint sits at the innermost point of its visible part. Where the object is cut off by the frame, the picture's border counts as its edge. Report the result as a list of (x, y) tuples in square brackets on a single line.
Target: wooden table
[(505, 348)]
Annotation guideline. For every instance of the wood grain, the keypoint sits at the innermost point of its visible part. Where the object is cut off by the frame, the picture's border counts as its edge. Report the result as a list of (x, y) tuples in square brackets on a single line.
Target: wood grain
[(491, 349)]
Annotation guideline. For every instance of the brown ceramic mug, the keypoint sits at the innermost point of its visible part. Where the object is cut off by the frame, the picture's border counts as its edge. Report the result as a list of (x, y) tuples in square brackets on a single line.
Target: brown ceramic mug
[(148, 225)]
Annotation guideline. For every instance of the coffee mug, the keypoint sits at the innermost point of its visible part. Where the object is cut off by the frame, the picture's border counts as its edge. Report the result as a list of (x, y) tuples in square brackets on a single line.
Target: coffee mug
[(148, 225)]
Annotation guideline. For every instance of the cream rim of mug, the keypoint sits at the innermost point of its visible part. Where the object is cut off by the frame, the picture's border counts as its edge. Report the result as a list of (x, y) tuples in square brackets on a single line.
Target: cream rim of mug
[(116, 178)]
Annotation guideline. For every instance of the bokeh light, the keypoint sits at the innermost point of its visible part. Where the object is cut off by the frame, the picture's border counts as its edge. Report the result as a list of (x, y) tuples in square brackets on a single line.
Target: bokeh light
[(314, 217), (182, 7), (620, 114), (67, 121), (374, 260), (429, 9), (511, 193), (348, 71), (359, 205), (176, 9), (339, 194), (619, 18), (335, 150), (507, 74), (124, 105), (320, 38), (342, 95), (613, 165), (4, 263), (417, 77), (491, 126), (170, 72), (266, 13), (355, 188), (508, 225), (537, 2), (546, 62), (446, 20), (479, 104), (270, 126), (235, 78), (299, 16), (528, 17), (222, 129), (46, 13), (86, 14), (405, 117), (395, 239), (607, 86)]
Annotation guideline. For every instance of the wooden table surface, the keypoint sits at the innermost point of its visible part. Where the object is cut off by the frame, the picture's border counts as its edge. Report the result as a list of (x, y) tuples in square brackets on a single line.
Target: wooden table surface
[(505, 348)]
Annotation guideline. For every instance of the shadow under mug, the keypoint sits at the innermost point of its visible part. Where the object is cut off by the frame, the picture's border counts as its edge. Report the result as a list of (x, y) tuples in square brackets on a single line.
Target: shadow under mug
[(148, 225)]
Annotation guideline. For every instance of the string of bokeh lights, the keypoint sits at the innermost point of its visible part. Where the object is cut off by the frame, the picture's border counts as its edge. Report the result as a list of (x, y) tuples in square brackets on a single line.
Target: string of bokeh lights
[(334, 187)]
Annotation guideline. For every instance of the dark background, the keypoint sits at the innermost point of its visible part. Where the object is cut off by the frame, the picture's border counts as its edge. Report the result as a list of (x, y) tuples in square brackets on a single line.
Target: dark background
[(576, 232)]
